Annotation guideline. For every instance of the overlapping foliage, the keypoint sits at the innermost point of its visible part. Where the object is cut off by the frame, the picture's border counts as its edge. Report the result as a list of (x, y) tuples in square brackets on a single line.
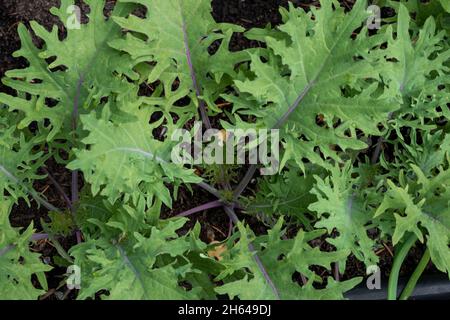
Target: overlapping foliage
[(363, 118)]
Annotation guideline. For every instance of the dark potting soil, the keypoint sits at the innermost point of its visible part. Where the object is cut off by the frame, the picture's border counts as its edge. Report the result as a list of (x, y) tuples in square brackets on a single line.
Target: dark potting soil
[(215, 224)]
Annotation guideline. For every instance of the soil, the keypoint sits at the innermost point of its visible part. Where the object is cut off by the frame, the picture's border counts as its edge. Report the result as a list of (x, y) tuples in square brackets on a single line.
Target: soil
[(215, 224)]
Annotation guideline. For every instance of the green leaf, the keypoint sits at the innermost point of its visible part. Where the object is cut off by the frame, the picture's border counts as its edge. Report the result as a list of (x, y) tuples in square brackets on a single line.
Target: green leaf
[(61, 223), (325, 71), (281, 258), (340, 206), (18, 162), (139, 267), (82, 70)]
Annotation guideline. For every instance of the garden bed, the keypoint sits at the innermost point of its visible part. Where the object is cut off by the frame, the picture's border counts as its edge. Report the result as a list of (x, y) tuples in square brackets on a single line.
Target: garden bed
[(215, 222)]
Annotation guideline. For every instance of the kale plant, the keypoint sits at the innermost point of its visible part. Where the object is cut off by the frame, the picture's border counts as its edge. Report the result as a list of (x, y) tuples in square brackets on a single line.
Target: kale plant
[(364, 142)]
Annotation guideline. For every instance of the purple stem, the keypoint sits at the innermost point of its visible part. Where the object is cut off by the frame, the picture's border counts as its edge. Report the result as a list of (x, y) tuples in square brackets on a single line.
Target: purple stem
[(206, 206), (201, 102), (34, 237), (230, 228), (202, 105), (74, 184), (69, 205), (210, 189), (377, 152), (294, 106), (244, 182), (75, 115), (39, 236), (59, 188)]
